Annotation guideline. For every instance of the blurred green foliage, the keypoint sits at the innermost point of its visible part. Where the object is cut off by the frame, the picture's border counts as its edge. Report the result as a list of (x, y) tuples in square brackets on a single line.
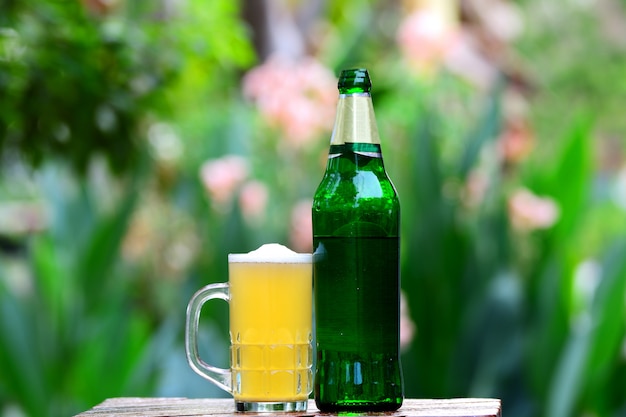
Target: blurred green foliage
[(108, 115), (77, 84), (72, 86)]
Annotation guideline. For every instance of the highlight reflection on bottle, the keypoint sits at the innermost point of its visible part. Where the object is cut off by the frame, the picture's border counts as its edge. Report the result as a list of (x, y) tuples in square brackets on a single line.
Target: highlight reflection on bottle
[(356, 218)]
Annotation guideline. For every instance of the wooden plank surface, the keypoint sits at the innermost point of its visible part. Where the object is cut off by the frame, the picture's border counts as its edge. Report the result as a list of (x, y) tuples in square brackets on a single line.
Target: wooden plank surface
[(173, 407)]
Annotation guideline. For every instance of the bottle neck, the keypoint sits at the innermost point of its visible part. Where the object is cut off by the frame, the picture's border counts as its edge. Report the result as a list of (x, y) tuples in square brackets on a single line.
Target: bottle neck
[(355, 121)]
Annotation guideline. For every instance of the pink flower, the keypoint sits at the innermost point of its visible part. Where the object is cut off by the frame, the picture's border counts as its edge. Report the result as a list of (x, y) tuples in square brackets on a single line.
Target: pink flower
[(253, 201), (516, 141), (297, 97), (407, 326), (301, 227), (99, 7), (466, 60), (527, 211), (425, 37), (475, 188), (432, 37), (221, 178), (502, 19)]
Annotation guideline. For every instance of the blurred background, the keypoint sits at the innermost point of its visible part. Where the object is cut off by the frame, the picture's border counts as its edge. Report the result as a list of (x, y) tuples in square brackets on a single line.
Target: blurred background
[(140, 142)]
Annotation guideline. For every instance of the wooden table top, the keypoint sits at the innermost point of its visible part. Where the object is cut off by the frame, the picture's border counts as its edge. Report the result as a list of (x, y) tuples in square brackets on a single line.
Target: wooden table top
[(171, 407)]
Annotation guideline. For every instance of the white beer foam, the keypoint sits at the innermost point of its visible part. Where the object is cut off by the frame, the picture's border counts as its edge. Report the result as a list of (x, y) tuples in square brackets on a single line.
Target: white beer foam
[(271, 253)]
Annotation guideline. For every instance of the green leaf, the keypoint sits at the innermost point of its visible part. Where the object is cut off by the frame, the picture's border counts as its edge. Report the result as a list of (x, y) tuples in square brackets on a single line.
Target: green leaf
[(52, 282), (595, 340), (97, 259), (21, 367), (567, 176), (569, 377), (112, 345), (609, 323), (486, 130)]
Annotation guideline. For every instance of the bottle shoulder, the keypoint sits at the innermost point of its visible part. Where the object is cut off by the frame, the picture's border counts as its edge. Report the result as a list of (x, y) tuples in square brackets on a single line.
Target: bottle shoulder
[(347, 203), (349, 159), (349, 187), (355, 171)]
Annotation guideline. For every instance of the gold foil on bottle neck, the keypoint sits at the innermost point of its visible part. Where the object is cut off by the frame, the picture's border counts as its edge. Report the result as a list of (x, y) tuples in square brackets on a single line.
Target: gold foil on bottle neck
[(355, 121)]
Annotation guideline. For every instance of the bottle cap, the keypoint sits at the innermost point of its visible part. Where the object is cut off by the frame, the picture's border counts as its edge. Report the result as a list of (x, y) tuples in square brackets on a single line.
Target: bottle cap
[(354, 81)]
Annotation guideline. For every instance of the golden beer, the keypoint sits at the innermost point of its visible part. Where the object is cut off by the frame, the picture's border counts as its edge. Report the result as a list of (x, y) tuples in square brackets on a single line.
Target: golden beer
[(270, 330)]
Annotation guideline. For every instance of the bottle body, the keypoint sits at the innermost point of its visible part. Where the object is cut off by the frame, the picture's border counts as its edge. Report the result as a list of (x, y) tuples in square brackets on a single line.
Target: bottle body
[(356, 242)]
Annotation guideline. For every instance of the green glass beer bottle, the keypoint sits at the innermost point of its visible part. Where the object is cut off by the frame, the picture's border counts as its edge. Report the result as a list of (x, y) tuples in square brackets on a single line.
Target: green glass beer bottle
[(356, 243)]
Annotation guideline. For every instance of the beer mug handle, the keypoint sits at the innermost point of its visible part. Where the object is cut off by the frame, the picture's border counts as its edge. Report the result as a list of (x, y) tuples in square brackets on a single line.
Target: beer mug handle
[(220, 377)]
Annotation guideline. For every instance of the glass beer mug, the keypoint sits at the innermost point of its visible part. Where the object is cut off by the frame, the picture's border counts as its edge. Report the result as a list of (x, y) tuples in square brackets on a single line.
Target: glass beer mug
[(269, 292)]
